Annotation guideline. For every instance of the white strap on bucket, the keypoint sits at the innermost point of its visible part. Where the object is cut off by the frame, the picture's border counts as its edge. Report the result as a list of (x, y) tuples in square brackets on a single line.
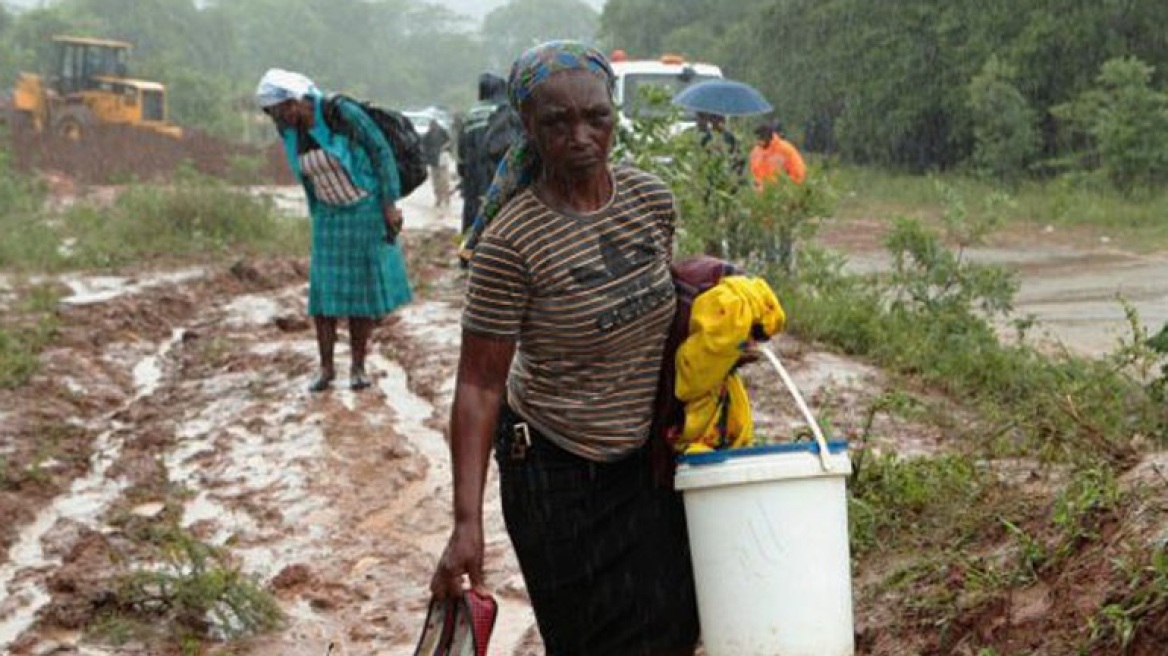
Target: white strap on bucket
[(810, 418)]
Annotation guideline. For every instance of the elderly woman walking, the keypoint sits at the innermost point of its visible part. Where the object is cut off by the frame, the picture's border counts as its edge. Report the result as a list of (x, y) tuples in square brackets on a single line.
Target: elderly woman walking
[(567, 310), (351, 182)]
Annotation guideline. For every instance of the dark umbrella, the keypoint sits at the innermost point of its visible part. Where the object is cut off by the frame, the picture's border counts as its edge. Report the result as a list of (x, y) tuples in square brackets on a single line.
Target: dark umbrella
[(723, 97)]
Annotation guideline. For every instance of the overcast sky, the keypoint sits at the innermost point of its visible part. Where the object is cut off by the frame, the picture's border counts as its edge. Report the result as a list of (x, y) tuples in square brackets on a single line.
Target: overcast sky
[(475, 8), (480, 8)]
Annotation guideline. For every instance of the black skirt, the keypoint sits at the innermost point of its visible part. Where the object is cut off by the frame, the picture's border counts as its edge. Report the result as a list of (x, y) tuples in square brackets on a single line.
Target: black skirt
[(603, 549)]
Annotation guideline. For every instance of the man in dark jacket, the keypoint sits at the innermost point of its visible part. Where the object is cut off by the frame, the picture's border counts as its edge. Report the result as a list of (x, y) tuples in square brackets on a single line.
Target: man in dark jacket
[(475, 167), (434, 142)]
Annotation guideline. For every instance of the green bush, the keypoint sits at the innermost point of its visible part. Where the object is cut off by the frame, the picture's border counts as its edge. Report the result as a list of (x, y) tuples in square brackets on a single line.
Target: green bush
[(719, 213), (195, 593), (934, 319), (28, 236)]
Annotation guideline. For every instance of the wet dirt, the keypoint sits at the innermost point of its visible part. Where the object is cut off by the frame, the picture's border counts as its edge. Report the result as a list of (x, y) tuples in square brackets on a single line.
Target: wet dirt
[(180, 396), (116, 154)]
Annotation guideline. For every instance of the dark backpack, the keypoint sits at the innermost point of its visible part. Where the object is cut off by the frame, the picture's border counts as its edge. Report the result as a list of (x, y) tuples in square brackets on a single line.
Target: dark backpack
[(475, 166), (504, 129), (403, 139)]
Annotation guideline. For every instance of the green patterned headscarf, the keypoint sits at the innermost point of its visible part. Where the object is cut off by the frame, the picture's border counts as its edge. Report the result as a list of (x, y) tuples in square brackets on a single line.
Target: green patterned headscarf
[(519, 165)]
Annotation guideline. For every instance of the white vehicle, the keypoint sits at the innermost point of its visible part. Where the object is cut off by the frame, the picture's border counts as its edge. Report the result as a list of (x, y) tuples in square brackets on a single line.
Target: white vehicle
[(670, 73)]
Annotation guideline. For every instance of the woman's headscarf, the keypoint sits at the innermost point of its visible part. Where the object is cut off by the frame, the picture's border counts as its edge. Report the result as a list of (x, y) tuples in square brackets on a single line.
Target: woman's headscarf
[(521, 162), (279, 85)]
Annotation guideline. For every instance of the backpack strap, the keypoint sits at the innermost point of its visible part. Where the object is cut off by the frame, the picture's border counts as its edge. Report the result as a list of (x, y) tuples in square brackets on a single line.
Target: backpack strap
[(333, 116)]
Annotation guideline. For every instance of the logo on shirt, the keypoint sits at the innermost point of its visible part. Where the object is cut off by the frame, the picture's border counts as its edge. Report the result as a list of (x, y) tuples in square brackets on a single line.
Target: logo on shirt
[(631, 299)]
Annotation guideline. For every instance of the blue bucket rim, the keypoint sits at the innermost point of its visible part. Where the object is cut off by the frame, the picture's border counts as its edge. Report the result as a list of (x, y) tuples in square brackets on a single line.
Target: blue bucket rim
[(723, 455)]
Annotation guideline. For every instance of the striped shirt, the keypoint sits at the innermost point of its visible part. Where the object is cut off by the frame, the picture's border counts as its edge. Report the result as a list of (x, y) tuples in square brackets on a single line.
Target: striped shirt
[(590, 300), (330, 181)]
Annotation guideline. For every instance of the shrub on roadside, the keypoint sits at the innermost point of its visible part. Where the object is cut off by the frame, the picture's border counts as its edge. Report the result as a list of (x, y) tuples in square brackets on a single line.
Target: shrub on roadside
[(197, 217), (194, 592), (719, 213)]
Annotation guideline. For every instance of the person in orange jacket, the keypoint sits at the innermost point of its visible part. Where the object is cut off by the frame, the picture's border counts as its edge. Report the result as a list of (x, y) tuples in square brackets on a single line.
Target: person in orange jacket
[(772, 156)]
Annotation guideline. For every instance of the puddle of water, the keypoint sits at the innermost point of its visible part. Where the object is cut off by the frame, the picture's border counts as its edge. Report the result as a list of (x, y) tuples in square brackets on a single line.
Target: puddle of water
[(88, 290), (73, 387), (438, 323), (303, 347), (88, 497), (261, 457), (252, 310), (412, 411), (148, 372)]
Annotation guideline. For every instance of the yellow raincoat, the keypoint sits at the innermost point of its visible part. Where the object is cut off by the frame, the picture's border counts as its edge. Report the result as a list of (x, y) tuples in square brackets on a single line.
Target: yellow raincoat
[(717, 409)]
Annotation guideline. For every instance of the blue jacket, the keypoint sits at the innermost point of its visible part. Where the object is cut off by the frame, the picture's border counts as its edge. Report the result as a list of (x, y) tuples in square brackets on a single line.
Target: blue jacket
[(366, 155)]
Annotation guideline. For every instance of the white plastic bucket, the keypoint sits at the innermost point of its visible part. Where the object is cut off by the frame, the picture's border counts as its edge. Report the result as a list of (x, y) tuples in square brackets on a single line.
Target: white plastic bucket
[(768, 530)]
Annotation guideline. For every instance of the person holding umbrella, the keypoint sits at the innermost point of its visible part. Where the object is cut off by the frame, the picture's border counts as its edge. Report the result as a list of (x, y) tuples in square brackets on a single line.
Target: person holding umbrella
[(715, 138)]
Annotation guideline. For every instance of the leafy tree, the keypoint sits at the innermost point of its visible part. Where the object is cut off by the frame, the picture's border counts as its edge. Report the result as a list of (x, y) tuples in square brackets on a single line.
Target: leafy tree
[(888, 83), (1004, 126), (520, 24), (1125, 124)]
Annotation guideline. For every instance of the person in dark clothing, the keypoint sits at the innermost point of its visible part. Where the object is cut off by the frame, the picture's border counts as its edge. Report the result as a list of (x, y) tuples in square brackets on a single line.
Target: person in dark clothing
[(474, 162), (436, 140), (716, 138)]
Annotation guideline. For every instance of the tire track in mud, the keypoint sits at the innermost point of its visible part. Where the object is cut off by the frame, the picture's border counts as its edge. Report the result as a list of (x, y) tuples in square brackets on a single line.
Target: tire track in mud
[(84, 502), (389, 492), (339, 500)]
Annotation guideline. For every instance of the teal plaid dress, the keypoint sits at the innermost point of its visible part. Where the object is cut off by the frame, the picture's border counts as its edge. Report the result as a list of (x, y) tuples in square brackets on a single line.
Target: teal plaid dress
[(354, 272)]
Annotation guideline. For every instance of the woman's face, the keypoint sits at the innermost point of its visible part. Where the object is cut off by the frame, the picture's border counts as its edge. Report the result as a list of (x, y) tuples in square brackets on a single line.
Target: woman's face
[(570, 118), (291, 114)]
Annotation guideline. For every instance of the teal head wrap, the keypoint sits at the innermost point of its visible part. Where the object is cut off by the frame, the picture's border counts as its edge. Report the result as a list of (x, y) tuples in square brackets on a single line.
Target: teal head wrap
[(529, 71)]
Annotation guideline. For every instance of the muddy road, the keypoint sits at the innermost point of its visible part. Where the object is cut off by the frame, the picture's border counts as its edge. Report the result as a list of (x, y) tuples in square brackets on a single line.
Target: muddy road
[(183, 393)]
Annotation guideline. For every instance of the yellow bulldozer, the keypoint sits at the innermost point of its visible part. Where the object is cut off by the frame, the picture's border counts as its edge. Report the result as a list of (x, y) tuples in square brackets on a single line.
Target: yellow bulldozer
[(89, 88)]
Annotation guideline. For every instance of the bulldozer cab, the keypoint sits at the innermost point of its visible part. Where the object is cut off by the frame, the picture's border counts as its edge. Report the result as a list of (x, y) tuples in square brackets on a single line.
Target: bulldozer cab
[(82, 63), (89, 88)]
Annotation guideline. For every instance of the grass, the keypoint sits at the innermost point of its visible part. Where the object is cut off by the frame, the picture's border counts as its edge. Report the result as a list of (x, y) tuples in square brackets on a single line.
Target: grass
[(197, 218), (25, 330), (893, 502), (1139, 604), (966, 540), (949, 540), (1075, 202)]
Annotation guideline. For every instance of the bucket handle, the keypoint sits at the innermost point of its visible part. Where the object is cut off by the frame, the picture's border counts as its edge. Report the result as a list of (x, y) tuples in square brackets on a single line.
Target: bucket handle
[(810, 418)]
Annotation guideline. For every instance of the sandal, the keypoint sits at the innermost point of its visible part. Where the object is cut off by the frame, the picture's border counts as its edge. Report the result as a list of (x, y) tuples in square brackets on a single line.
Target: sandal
[(473, 624), (322, 382), (459, 628), (358, 379), (437, 631)]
